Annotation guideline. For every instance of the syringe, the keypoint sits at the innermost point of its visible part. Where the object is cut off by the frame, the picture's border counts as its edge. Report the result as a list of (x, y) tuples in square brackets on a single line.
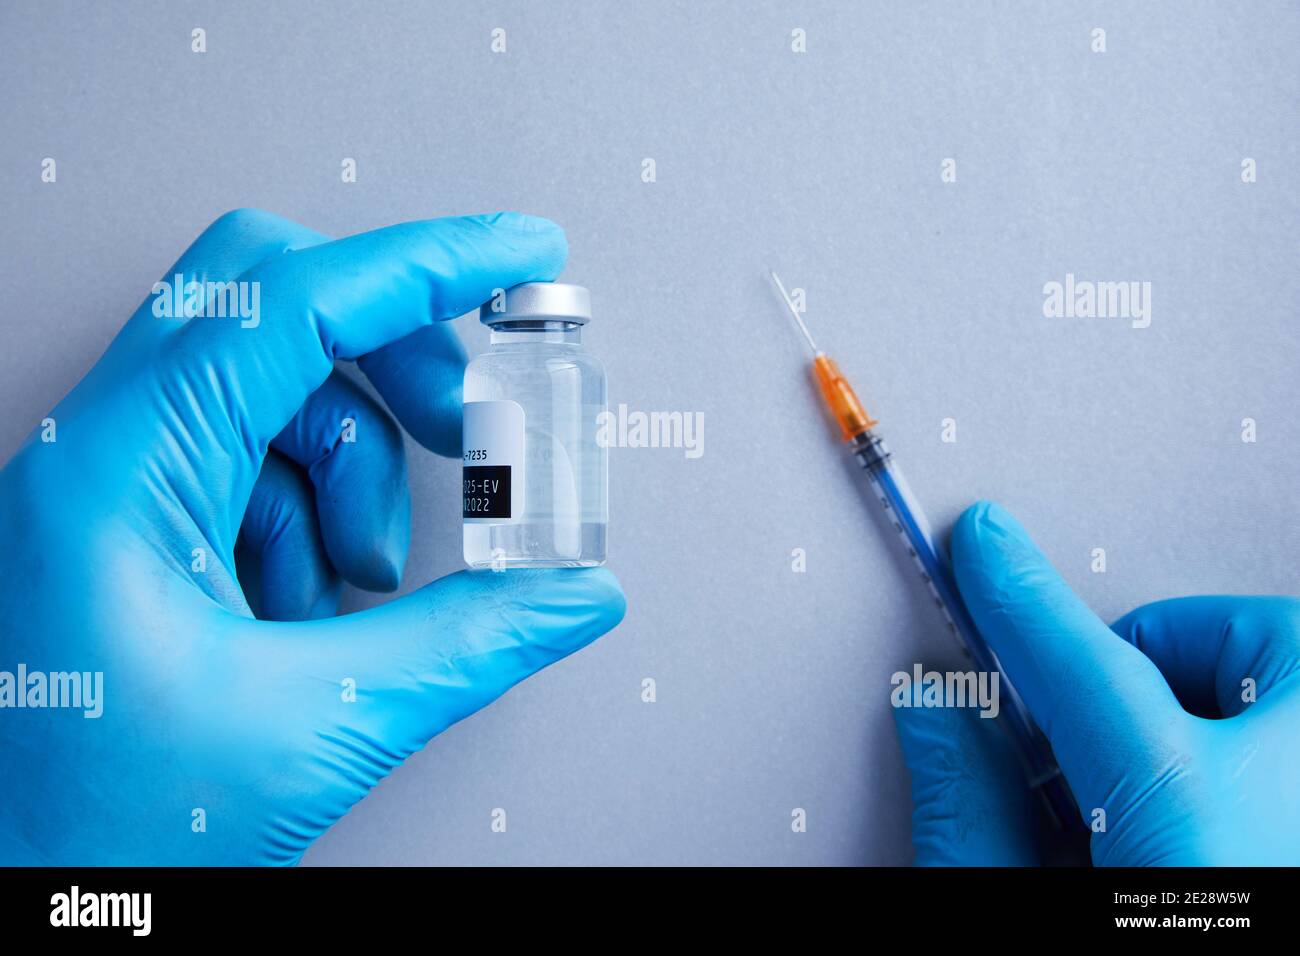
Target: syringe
[(904, 513)]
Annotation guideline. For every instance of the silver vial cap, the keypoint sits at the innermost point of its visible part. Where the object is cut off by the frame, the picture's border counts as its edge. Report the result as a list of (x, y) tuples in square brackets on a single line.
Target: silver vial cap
[(540, 302)]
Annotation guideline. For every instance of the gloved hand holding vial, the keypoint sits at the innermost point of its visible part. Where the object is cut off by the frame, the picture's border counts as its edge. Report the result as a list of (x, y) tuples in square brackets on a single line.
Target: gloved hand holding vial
[(230, 513)]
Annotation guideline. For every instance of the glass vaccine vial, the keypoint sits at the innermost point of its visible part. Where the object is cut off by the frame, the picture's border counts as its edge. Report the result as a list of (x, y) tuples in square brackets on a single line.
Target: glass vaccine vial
[(535, 479)]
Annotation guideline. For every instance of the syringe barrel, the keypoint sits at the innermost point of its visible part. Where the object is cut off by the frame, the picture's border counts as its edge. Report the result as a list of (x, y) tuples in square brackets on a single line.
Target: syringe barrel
[(905, 515)]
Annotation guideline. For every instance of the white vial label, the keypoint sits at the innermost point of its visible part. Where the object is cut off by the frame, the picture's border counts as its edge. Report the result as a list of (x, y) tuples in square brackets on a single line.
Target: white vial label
[(493, 468)]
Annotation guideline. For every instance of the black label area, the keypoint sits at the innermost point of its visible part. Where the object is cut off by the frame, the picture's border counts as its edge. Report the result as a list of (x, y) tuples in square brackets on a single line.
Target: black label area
[(487, 491)]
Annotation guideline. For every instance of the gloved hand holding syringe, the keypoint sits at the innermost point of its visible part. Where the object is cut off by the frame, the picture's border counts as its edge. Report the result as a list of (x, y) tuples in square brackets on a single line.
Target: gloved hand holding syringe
[(1174, 726), (907, 518)]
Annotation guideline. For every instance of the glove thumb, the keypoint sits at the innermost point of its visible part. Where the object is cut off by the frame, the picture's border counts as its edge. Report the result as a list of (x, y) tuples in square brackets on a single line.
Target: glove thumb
[(375, 686), (971, 803)]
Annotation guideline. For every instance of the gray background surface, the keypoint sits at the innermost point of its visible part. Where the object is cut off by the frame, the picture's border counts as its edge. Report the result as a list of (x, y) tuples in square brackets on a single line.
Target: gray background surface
[(772, 685)]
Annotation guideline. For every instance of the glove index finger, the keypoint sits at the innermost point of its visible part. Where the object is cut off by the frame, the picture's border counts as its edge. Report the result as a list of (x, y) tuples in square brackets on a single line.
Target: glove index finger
[(1096, 697), (346, 298), (232, 383)]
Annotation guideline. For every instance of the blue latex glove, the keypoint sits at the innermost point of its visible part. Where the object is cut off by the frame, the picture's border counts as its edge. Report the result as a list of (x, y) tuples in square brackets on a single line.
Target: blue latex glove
[(163, 449), (1131, 713)]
